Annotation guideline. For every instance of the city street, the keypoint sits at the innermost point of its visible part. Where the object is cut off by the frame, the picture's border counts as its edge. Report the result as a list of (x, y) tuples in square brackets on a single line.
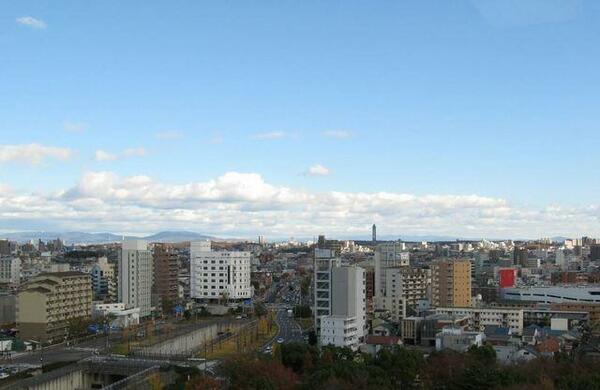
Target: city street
[(289, 331)]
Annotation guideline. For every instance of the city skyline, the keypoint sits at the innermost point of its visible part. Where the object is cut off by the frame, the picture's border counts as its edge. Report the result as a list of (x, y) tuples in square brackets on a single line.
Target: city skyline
[(464, 119)]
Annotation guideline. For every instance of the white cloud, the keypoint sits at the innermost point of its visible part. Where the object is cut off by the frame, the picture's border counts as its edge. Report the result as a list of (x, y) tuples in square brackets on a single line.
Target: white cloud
[(32, 22), (269, 136), (337, 134), (134, 152), (32, 154), (317, 170), (75, 127), (244, 204), (169, 135), (102, 155)]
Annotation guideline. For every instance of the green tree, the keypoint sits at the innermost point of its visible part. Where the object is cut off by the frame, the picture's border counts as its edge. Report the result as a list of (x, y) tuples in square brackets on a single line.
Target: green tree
[(260, 309)]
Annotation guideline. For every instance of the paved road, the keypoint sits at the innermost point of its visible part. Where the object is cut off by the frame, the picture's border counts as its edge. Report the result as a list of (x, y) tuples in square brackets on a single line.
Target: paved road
[(289, 331), (49, 355)]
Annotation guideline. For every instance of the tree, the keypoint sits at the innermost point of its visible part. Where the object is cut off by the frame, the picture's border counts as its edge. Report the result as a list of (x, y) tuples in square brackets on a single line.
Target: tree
[(203, 382), (255, 373), (298, 357), (78, 326), (312, 338), (260, 310), (401, 365), (305, 285), (302, 311)]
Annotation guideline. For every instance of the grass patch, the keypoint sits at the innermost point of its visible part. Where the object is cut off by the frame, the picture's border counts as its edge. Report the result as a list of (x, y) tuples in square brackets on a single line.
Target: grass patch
[(120, 349)]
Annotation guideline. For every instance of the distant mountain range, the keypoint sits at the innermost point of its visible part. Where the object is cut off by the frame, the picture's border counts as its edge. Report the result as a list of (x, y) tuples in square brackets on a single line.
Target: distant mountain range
[(102, 238), (179, 236)]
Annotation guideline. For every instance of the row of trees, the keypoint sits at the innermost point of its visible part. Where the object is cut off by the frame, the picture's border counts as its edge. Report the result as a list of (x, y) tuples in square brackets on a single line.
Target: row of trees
[(300, 366)]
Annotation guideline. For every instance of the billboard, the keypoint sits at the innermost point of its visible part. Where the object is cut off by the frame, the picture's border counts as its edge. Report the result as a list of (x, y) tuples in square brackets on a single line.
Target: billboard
[(508, 277)]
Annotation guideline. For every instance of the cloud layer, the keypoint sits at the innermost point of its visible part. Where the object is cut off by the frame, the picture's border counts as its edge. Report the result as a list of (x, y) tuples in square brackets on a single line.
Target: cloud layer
[(32, 154), (269, 136), (103, 155), (244, 204), (337, 134)]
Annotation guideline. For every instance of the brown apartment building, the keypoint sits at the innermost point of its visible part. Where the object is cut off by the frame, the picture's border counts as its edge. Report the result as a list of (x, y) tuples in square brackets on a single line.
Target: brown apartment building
[(166, 270), (451, 283), (46, 304)]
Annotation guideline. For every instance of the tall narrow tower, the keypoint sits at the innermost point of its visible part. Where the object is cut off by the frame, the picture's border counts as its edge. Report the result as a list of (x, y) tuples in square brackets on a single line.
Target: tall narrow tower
[(374, 233)]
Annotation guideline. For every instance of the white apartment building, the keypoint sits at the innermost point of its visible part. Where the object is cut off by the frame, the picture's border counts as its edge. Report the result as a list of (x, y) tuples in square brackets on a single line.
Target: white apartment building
[(10, 270), (325, 261), (340, 291), (340, 331), (349, 296), (219, 274), (387, 255), (404, 288), (135, 276), (480, 317)]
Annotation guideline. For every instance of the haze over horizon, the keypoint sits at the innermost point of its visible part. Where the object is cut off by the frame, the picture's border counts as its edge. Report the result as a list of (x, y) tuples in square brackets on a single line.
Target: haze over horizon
[(462, 119)]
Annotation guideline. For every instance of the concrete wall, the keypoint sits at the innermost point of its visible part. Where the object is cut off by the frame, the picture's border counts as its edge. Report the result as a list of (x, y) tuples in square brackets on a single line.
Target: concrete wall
[(191, 341), (71, 380)]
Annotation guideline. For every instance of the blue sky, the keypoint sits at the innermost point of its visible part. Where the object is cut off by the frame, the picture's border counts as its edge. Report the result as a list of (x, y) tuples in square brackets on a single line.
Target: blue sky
[(429, 98)]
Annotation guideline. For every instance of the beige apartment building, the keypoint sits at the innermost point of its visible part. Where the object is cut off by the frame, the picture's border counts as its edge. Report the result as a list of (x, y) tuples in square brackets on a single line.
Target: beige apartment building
[(404, 287), (46, 303), (451, 283)]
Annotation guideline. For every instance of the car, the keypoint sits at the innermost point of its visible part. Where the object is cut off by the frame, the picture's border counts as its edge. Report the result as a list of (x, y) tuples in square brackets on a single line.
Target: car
[(280, 340)]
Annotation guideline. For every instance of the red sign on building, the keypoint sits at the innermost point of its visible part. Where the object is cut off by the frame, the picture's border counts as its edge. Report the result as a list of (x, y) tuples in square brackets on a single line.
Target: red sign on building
[(508, 277)]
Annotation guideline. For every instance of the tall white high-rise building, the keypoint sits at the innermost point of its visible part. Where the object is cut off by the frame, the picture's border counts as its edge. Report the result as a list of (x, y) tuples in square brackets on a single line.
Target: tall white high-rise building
[(325, 261), (10, 270), (387, 255), (135, 276), (349, 295), (215, 275), (345, 326)]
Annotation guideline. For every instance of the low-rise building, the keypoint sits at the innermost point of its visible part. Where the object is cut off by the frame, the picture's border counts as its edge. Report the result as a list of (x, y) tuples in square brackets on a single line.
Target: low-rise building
[(458, 339), (340, 331), (554, 294), (373, 344), (119, 316), (480, 317), (431, 325)]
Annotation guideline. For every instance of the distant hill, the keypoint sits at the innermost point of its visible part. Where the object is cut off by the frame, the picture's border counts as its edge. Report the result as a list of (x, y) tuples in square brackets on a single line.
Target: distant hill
[(102, 238), (177, 236)]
